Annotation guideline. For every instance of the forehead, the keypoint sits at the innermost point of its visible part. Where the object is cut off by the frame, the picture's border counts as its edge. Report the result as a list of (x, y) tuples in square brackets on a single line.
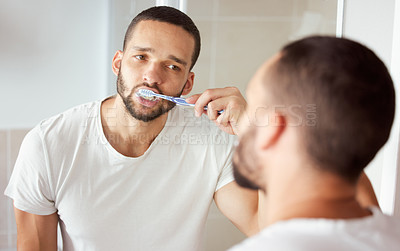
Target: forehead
[(163, 37)]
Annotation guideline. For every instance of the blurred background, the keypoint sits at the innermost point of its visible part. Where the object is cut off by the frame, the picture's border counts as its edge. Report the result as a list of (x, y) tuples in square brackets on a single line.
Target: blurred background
[(57, 54)]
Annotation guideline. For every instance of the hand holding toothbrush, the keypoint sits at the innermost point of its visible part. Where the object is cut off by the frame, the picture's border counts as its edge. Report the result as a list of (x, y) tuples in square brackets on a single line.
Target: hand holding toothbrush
[(228, 99)]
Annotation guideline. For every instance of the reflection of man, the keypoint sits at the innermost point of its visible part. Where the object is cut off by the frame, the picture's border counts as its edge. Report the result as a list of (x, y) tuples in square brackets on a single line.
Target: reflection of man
[(129, 173), (309, 172)]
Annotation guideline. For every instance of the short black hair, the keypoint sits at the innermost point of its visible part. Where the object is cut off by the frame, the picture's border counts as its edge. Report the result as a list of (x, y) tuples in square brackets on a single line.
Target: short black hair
[(172, 16), (353, 94)]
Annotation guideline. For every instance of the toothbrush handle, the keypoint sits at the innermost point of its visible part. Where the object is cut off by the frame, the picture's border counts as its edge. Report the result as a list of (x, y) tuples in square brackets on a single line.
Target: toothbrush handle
[(219, 112), (182, 101)]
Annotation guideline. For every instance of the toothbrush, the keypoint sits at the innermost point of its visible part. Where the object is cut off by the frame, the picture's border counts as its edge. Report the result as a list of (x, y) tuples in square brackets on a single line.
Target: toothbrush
[(178, 101)]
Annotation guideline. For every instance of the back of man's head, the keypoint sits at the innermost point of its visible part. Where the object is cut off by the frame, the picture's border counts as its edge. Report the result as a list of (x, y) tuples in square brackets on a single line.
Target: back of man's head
[(168, 15), (354, 98)]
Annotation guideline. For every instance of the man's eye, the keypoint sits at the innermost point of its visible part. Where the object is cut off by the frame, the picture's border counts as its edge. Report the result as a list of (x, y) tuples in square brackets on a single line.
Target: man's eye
[(140, 57), (174, 67)]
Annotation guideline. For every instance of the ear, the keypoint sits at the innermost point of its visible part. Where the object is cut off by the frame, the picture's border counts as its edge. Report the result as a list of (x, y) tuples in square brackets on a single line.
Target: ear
[(189, 84), (116, 62), (269, 135)]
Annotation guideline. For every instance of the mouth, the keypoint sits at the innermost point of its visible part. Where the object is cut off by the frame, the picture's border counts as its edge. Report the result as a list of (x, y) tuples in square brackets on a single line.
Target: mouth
[(149, 98), (146, 100)]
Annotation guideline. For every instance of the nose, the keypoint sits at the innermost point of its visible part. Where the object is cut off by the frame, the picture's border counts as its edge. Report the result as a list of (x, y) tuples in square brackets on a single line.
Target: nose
[(153, 74)]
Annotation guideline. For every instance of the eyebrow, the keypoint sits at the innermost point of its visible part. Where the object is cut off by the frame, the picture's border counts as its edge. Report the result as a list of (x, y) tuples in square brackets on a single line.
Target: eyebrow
[(172, 57), (178, 60), (144, 49)]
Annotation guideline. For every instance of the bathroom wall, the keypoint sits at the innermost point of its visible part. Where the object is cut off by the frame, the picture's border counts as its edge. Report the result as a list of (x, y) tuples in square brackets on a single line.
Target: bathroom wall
[(10, 141), (53, 56)]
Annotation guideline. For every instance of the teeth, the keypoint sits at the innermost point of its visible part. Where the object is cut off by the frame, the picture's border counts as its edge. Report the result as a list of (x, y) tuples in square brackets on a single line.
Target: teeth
[(152, 98)]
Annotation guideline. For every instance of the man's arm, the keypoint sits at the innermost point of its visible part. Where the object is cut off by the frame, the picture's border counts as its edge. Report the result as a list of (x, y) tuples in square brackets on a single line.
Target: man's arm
[(36, 232), (240, 206)]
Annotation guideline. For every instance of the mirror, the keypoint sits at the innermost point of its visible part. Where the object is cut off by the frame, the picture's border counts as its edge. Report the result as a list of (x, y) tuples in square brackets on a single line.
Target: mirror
[(56, 55)]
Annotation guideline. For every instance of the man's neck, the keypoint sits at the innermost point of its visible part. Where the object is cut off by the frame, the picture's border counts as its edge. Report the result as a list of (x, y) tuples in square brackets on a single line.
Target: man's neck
[(127, 135), (315, 197)]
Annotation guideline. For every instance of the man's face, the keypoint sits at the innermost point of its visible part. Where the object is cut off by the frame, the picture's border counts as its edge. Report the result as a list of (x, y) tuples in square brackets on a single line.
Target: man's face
[(244, 160), (247, 164), (157, 57)]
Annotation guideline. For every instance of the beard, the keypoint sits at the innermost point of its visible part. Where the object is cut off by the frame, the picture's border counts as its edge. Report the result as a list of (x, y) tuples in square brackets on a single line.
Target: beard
[(139, 111), (245, 160)]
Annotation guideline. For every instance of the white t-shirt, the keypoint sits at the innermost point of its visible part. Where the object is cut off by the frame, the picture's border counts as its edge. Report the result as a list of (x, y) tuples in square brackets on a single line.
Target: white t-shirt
[(378, 232), (107, 201)]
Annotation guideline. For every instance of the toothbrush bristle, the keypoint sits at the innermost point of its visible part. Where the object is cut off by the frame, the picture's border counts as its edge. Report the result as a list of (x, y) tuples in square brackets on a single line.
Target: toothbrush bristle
[(146, 93)]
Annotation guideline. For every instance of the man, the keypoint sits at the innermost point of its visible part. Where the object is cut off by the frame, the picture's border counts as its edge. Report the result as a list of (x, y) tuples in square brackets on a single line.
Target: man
[(319, 111), (129, 173)]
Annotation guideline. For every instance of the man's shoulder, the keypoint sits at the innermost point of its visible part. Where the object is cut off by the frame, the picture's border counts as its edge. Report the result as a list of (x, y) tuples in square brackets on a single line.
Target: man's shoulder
[(327, 234), (67, 124), (265, 240), (70, 117), (287, 235)]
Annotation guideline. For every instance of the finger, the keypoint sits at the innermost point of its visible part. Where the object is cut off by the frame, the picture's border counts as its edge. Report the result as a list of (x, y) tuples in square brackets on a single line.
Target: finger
[(229, 117), (223, 119), (229, 121), (217, 105), (203, 100), (192, 99), (212, 94)]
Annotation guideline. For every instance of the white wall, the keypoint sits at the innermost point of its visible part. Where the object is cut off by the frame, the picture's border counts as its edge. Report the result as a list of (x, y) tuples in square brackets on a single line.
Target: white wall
[(395, 66), (53, 56), (372, 23)]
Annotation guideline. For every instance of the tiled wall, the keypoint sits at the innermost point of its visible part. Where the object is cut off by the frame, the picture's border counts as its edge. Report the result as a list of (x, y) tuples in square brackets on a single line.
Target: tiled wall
[(10, 141)]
